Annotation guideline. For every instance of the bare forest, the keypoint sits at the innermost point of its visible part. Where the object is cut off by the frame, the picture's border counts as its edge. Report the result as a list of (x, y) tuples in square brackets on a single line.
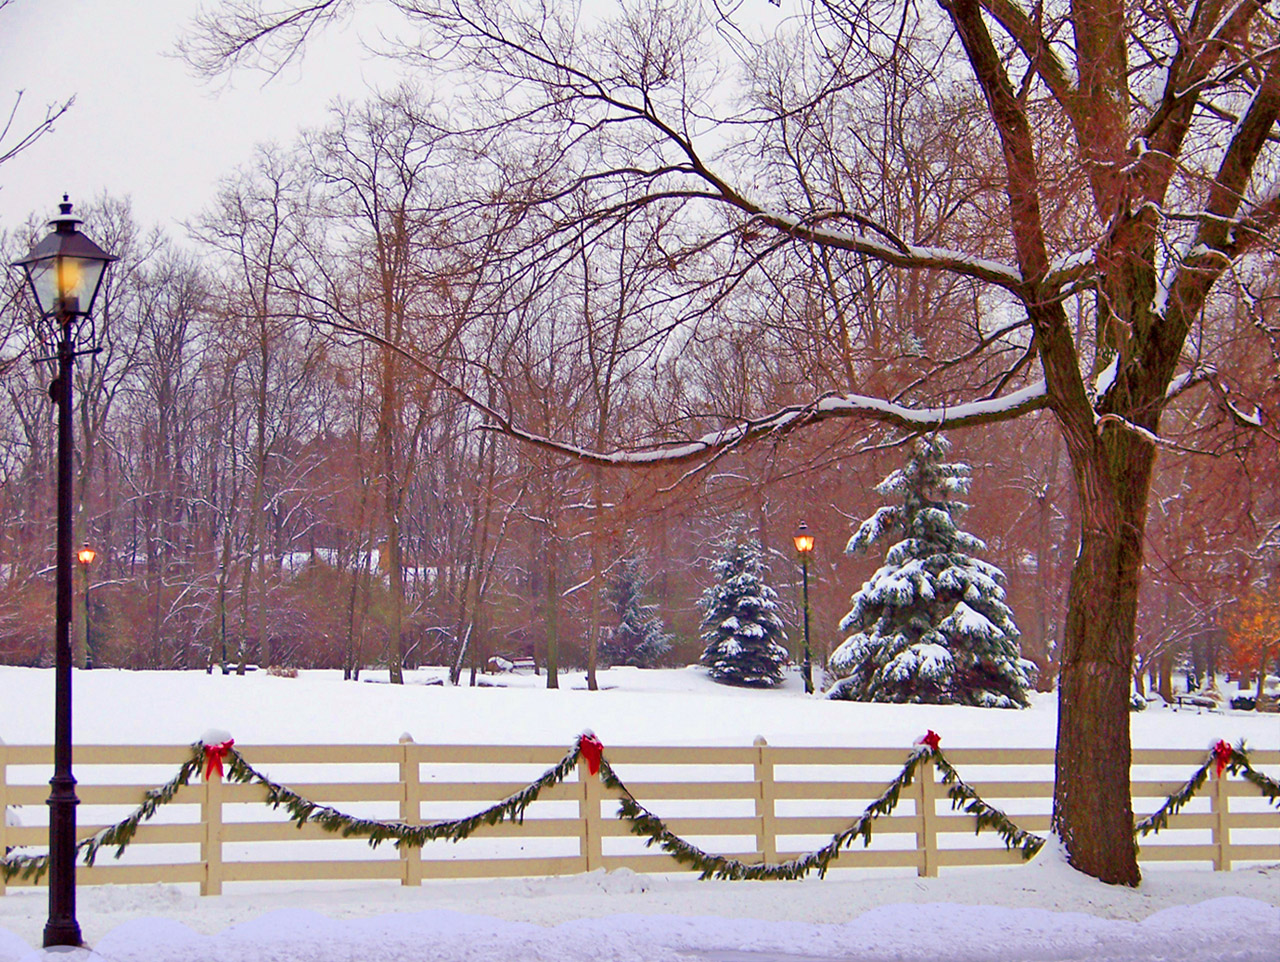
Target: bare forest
[(596, 285)]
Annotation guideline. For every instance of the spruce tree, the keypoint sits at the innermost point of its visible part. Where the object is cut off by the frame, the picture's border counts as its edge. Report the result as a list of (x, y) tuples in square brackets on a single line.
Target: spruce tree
[(740, 623), (931, 625), (639, 638)]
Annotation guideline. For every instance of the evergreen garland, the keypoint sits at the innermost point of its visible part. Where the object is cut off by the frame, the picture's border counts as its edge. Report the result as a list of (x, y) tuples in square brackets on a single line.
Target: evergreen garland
[(120, 834), (1235, 761), (302, 810), (642, 822), (963, 796)]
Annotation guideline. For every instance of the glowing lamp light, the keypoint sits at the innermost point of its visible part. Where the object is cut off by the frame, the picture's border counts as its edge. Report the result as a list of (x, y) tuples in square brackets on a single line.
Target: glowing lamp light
[(86, 555), (65, 269), (803, 539)]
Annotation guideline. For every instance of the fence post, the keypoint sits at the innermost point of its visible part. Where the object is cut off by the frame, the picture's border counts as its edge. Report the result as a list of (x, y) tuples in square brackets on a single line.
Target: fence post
[(766, 839), (4, 805), (410, 809), (926, 808), (589, 810), (211, 836), (1219, 805)]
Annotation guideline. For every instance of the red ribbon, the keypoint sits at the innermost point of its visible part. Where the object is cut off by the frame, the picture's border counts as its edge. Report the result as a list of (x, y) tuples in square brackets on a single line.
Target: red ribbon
[(930, 738), (591, 748), (213, 756), (1222, 755)]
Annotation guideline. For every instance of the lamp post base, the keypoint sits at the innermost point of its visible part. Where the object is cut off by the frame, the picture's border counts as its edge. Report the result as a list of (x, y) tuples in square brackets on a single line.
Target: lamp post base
[(66, 934)]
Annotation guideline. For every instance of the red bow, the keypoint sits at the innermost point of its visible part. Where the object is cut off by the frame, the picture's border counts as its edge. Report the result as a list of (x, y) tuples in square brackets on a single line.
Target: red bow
[(1222, 754), (213, 756), (591, 748), (930, 738)]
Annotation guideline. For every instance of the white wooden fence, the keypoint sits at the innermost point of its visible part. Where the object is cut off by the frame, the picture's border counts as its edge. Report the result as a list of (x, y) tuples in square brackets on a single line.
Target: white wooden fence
[(755, 803)]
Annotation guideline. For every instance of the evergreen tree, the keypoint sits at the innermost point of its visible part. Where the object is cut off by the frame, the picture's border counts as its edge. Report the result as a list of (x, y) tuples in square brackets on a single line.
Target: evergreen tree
[(740, 622), (931, 625), (639, 639)]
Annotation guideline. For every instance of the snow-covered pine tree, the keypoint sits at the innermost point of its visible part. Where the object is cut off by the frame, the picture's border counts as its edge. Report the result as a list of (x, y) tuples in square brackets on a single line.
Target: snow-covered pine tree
[(639, 638), (931, 625), (740, 623)]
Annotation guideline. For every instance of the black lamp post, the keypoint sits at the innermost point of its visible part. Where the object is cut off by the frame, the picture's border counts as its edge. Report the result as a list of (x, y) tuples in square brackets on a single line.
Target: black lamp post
[(65, 271), (804, 545), (85, 556)]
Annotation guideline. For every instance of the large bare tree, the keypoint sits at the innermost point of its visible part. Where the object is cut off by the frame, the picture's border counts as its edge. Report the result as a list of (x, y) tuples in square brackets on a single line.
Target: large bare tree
[(1124, 159)]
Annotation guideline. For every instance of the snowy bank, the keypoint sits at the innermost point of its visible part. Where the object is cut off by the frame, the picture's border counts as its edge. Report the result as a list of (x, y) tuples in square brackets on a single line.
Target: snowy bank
[(1042, 911)]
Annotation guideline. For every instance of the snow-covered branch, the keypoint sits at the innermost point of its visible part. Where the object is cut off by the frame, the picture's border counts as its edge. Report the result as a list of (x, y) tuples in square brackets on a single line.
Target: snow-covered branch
[(789, 418)]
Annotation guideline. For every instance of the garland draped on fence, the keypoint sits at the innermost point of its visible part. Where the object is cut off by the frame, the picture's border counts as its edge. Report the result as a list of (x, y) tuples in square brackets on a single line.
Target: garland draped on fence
[(1233, 760), (120, 834), (642, 822), (645, 823)]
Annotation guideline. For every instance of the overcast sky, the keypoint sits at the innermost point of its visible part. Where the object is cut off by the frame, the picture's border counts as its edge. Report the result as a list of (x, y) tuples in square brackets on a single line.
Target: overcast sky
[(142, 125)]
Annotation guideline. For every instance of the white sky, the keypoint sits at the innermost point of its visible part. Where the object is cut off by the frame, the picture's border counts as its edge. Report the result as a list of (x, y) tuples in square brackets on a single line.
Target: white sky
[(142, 124)]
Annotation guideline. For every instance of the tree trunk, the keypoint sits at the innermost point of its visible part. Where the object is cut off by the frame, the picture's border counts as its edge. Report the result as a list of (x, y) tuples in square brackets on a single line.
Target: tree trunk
[(1263, 657), (552, 613), (597, 578), (1166, 677), (1092, 804), (395, 571)]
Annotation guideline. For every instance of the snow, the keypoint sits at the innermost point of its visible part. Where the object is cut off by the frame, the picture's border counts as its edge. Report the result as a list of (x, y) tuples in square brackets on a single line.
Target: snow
[(1030, 398), (1025, 398), (913, 255), (1043, 911), (966, 622), (1106, 379), (1068, 266), (1254, 419)]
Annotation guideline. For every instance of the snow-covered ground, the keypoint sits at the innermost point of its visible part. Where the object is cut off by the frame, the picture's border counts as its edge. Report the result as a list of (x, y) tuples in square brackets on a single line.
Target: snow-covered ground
[(1041, 911)]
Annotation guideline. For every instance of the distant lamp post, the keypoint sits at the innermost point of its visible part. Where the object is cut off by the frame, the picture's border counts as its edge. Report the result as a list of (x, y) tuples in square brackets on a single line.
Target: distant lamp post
[(65, 272), (804, 546), (85, 556)]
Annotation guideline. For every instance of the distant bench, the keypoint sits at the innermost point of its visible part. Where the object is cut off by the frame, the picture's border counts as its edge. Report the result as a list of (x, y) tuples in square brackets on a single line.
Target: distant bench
[(1197, 701)]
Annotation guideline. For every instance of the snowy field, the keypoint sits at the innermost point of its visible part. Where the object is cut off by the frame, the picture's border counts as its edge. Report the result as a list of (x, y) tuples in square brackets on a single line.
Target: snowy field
[(1043, 911)]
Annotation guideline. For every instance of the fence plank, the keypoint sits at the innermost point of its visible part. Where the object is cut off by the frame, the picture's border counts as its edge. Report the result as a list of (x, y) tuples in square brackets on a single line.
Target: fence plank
[(490, 792), (592, 824), (89, 794), (766, 838), (295, 871), (320, 754), (410, 808), (148, 833), (1218, 807), (827, 790), (504, 867), (831, 824), (211, 840), (926, 808)]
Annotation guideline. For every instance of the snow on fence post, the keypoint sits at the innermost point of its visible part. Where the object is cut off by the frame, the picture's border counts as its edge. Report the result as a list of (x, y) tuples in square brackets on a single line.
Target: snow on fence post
[(410, 808), (766, 837), (1219, 802), (589, 811), (4, 805), (211, 835), (926, 796)]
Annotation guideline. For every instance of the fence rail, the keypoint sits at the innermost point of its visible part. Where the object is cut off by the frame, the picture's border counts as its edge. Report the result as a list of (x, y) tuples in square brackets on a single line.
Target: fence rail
[(758, 803)]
